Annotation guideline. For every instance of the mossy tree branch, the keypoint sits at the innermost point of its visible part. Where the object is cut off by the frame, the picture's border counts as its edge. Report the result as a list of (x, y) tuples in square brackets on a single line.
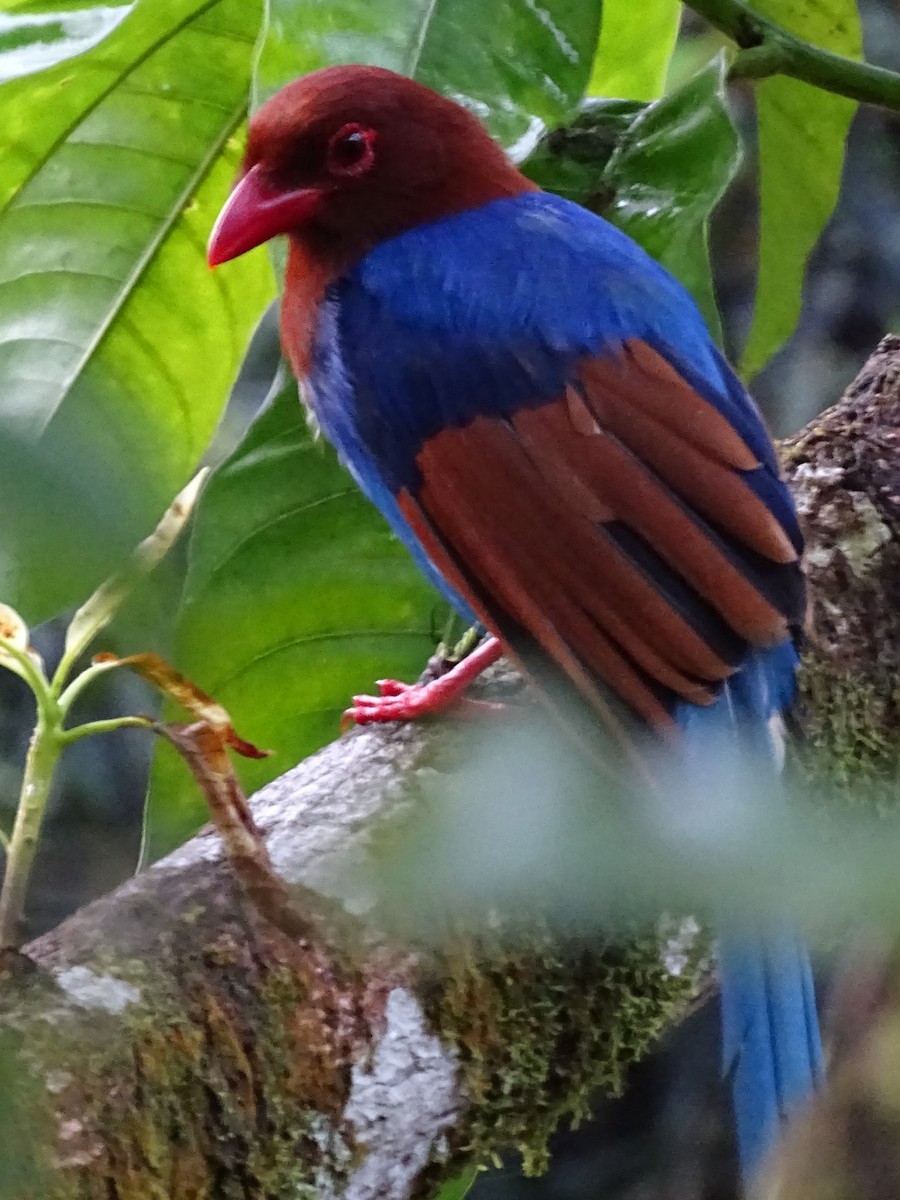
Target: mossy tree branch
[(172, 1044), (769, 49)]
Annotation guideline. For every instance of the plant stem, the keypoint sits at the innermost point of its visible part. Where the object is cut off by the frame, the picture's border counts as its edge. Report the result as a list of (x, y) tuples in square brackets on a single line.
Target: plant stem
[(771, 49), (43, 751), (108, 726), (79, 683)]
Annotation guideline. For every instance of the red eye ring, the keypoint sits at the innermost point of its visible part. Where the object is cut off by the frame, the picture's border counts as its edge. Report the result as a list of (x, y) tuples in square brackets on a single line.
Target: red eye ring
[(351, 151)]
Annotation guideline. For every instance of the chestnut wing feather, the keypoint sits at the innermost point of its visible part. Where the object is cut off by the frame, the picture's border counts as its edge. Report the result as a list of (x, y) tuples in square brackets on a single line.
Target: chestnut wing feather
[(616, 528)]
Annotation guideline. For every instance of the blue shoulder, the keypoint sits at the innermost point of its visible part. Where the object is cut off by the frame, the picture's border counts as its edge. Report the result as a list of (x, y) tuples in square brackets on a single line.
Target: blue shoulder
[(550, 280)]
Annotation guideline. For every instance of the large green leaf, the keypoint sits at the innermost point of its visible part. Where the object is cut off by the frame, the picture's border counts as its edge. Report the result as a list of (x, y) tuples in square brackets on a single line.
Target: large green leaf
[(115, 340), (518, 63), (657, 171), (802, 132), (297, 596), (636, 43)]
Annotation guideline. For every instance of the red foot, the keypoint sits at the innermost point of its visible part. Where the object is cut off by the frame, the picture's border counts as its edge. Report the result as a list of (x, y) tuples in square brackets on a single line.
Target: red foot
[(409, 701)]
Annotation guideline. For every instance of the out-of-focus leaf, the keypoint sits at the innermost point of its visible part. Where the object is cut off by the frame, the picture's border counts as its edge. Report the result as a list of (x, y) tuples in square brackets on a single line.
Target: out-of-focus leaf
[(39, 34), (458, 1188), (636, 43), (802, 132), (103, 604), (656, 170), (296, 597), (113, 334), (519, 64), (14, 636), (523, 827), (69, 518)]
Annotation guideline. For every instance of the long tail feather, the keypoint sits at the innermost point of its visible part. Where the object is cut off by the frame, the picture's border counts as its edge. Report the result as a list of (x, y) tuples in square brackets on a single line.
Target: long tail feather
[(771, 1047), (770, 1036)]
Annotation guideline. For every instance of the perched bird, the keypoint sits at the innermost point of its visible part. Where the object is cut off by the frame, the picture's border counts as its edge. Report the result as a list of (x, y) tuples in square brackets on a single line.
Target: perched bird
[(539, 411)]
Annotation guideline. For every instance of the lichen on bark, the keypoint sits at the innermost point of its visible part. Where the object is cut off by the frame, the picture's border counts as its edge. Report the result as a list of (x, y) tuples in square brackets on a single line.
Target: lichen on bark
[(845, 474)]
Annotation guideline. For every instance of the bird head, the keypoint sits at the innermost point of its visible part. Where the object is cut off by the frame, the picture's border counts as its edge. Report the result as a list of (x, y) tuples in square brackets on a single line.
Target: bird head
[(349, 156)]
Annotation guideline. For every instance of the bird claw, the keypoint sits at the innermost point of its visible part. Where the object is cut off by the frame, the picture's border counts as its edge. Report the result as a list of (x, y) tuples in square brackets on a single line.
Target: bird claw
[(398, 701), (390, 687)]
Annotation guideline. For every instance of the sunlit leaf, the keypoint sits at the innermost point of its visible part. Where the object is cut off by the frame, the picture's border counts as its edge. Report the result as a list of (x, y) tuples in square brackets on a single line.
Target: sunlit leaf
[(38, 34), (297, 596), (636, 43), (802, 132), (113, 334), (518, 63)]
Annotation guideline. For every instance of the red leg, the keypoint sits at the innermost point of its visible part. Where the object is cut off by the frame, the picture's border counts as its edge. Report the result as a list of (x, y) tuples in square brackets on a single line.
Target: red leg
[(409, 701)]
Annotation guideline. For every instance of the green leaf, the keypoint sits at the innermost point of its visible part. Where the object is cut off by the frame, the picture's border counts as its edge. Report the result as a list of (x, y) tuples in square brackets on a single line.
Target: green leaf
[(459, 1188), (802, 132), (37, 34), (571, 160), (524, 64), (656, 170), (297, 596), (116, 342), (669, 172), (636, 44)]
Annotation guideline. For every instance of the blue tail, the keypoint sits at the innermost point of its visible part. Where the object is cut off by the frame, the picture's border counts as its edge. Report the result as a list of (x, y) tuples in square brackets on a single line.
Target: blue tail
[(771, 1047), (770, 1036)]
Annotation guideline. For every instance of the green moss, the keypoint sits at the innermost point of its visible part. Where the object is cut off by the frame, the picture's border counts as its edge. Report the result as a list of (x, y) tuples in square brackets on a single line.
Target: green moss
[(851, 751), (541, 1028), (217, 1084)]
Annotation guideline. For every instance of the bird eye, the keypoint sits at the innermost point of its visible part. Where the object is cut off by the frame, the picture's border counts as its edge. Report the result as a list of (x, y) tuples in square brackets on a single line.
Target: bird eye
[(351, 150)]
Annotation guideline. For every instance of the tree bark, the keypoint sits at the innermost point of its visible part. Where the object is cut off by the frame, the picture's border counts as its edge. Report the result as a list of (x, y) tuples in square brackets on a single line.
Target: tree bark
[(171, 1043)]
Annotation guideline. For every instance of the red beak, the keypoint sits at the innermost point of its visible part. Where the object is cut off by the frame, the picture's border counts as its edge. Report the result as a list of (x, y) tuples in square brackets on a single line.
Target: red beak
[(255, 212)]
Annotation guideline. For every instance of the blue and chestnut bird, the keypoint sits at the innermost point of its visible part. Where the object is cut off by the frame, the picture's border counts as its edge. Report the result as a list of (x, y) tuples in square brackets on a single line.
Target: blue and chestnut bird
[(539, 411)]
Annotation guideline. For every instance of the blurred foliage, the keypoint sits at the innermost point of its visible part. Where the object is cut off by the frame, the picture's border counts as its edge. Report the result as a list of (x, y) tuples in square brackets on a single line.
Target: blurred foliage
[(516, 821), (457, 1189)]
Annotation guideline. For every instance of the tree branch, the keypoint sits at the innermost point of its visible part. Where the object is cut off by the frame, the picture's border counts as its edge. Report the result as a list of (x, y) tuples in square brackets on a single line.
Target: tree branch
[(171, 1043), (770, 49)]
